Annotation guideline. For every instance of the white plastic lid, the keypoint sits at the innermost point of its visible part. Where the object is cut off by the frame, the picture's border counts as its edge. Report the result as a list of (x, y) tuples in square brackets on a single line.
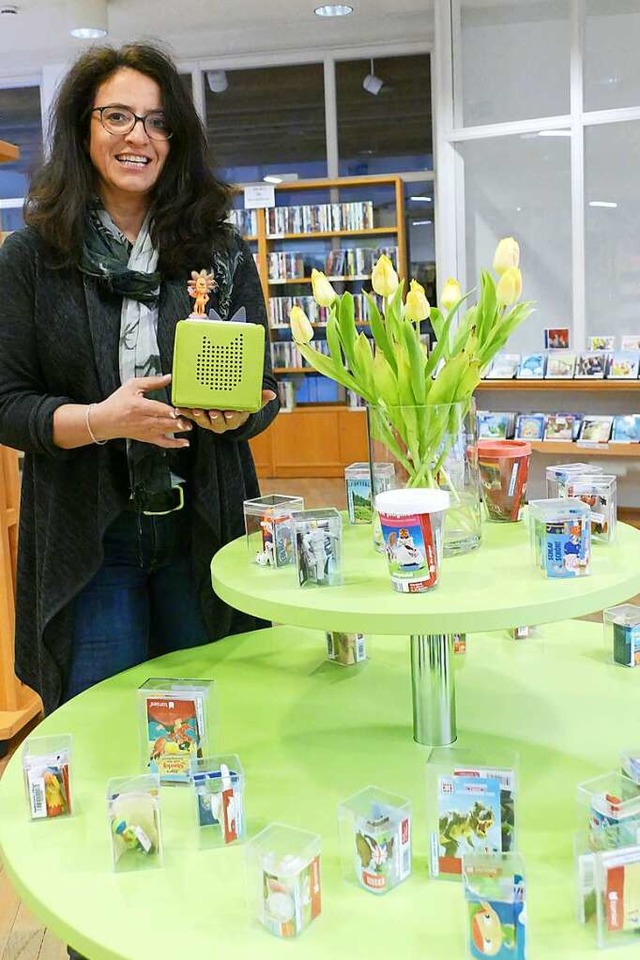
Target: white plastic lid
[(401, 503)]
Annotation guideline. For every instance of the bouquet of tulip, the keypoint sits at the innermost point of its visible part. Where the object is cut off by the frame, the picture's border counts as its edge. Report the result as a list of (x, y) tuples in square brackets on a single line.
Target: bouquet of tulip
[(395, 372)]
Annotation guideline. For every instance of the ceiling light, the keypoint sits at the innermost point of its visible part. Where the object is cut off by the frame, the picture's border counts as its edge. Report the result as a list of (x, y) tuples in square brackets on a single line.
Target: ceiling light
[(87, 19), (603, 203), (333, 10), (217, 80), (554, 133), (421, 199), (421, 223), (280, 178), (371, 83)]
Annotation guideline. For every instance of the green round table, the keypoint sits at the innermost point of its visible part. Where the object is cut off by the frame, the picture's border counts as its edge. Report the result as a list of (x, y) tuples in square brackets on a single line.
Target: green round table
[(491, 588), (310, 733)]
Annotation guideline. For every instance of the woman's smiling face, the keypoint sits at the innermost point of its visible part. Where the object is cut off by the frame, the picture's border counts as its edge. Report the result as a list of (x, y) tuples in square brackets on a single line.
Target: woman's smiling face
[(127, 165)]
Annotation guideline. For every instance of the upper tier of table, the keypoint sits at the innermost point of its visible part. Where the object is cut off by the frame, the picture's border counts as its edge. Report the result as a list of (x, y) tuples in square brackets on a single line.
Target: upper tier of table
[(492, 588)]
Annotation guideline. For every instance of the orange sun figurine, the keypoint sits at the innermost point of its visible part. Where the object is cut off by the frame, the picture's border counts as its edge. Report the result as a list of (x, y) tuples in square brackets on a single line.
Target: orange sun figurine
[(199, 288)]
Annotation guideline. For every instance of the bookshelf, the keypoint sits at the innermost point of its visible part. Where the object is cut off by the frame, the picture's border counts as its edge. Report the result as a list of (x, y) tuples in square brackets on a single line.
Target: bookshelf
[(339, 227)]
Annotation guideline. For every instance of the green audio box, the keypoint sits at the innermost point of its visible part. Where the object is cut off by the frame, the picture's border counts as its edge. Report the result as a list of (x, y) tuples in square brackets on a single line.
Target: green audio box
[(218, 365)]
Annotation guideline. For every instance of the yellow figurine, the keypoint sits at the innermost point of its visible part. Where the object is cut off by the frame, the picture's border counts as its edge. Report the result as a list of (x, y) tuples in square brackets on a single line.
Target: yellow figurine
[(54, 795), (199, 288)]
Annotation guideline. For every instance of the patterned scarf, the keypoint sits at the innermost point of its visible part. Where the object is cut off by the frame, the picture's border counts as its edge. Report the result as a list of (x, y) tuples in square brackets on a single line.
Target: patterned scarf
[(131, 271)]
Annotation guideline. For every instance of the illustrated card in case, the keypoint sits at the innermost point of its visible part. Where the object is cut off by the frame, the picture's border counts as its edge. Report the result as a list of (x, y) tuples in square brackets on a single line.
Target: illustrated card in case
[(504, 366), (556, 338), (493, 426), (560, 426), (531, 366), (623, 365), (591, 364), (604, 342), (630, 342), (218, 365), (626, 429), (595, 429), (560, 365), (530, 426)]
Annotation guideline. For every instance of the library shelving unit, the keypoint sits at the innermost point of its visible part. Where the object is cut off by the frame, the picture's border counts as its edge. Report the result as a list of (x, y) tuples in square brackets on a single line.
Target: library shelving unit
[(18, 704), (340, 227)]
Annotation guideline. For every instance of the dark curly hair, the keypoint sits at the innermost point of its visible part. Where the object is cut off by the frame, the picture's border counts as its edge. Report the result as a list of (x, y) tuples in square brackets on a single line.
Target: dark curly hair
[(188, 204)]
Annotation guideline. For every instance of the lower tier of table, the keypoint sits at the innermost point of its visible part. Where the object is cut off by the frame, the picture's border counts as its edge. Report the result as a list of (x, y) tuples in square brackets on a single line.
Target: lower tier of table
[(310, 733)]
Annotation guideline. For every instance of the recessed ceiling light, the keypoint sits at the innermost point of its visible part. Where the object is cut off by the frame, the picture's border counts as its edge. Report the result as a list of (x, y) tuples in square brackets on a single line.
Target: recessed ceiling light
[(333, 10), (421, 199), (272, 178), (421, 223), (603, 203)]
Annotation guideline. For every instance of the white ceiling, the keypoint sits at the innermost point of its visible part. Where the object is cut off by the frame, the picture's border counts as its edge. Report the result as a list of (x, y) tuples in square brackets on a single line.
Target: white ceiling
[(211, 29)]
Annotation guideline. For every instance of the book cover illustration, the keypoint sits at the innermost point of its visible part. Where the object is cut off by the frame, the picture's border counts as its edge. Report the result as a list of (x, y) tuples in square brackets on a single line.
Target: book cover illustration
[(560, 365), (623, 365), (626, 429), (494, 426), (497, 923), (174, 735), (630, 342), (595, 429), (606, 343), (291, 901), (556, 338), (476, 813), (530, 426), (565, 548), (504, 366), (591, 364), (531, 367), (560, 426)]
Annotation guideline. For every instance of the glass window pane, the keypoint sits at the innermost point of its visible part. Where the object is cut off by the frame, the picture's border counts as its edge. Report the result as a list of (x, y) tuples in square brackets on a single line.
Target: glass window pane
[(267, 121), (512, 60), (520, 186), (611, 63), (419, 209), (388, 131), (612, 242), (20, 124)]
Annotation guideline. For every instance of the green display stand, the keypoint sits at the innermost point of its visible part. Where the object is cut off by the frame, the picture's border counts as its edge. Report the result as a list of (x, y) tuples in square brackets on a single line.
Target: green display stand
[(309, 733), (491, 588)]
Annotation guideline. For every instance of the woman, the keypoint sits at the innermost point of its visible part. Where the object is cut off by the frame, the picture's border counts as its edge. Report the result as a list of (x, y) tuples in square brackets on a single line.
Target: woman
[(124, 499)]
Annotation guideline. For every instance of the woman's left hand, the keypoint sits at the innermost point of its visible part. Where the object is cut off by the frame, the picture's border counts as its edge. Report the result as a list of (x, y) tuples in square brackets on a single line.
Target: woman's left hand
[(220, 421)]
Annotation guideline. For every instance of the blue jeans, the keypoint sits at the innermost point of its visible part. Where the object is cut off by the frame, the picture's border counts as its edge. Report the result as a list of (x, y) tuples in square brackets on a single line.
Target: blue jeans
[(141, 603)]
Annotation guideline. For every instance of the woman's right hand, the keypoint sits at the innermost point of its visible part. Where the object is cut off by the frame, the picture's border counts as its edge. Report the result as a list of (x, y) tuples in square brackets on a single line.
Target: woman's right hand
[(128, 413)]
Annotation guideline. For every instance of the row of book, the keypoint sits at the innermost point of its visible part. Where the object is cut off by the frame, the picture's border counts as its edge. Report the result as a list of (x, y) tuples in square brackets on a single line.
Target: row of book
[(320, 218), (279, 308), (566, 365), (286, 354), (588, 429), (347, 262), (245, 221)]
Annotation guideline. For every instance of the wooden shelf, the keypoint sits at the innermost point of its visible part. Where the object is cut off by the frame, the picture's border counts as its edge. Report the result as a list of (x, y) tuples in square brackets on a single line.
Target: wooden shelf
[(584, 450), (320, 234), (8, 152), (587, 385)]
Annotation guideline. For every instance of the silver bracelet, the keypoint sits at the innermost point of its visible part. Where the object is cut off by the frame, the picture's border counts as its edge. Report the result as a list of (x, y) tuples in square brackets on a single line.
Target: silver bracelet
[(94, 439)]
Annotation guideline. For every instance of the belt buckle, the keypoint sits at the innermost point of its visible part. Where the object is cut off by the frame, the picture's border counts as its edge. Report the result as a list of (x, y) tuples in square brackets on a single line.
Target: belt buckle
[(163, 513)]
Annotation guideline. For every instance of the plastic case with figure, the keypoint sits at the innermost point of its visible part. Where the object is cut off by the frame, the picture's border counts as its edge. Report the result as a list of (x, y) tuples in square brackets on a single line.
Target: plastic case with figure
[(622, 633), (607, 889), (283, 879), (560, 534), (218, 789), (269, 529), (471, 806), (557, 475), (607, 800), (375, 839), (495, 895), (358, 488), (46, 766), (176, 718), (346, 648), (599, 492), (318, 545), (133, 813)]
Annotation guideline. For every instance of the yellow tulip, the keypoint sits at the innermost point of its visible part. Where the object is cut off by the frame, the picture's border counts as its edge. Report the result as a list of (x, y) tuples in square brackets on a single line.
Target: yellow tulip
[(384, 278), (301, 329), (451, 293), (509, 287), (416, 307), (507, 255), (323, 292)]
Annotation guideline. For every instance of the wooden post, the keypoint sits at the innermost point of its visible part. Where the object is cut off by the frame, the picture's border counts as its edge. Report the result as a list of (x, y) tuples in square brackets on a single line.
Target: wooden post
[(18, 704)]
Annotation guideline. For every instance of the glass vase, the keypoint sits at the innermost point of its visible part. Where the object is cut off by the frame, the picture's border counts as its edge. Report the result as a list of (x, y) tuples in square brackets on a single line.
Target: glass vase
[(433, 446)]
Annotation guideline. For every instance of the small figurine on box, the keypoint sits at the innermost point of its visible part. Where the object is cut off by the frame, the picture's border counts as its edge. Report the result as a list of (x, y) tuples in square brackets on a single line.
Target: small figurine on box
[(199, 287), (317, 552)]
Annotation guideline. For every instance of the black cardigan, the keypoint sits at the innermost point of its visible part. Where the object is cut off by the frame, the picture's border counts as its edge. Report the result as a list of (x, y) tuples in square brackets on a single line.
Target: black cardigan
[(59, 335)]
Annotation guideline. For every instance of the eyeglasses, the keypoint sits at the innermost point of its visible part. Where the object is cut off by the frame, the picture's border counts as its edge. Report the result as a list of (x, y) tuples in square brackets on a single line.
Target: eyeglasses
[(120, 121)]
